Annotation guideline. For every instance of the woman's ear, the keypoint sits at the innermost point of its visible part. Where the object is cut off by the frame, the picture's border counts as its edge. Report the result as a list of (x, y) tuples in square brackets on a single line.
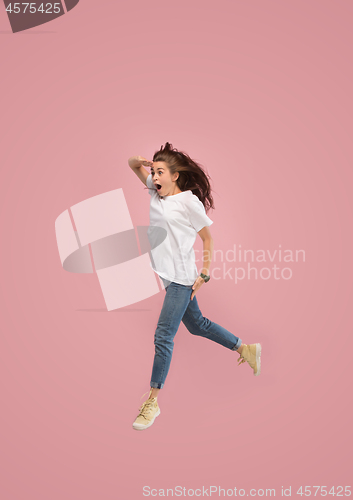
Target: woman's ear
[(175, 176)]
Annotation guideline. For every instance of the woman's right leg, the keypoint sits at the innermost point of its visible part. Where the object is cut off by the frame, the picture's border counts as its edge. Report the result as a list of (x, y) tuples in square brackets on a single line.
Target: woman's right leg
[(175, 303)]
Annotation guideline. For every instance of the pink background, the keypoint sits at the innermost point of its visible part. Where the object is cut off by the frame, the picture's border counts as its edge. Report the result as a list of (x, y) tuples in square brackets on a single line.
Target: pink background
[(260, 93)]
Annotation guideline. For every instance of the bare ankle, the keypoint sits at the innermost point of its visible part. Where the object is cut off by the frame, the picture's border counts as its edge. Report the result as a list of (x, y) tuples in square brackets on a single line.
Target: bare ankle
[(154, 393)]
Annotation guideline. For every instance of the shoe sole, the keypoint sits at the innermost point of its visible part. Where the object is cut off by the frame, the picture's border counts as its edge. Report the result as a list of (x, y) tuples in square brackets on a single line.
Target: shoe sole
[(139, 427), (258, 359)]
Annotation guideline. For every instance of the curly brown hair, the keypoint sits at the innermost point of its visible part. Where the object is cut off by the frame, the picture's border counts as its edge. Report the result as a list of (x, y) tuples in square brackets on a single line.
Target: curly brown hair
[(191, 175)]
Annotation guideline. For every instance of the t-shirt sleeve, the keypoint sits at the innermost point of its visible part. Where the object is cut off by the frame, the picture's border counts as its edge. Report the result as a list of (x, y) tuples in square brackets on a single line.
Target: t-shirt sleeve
[(197, 214), (149, 183)]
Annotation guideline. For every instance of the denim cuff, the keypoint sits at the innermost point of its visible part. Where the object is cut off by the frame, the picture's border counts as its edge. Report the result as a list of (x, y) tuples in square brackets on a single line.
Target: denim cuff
[(156, 385), (237, 345)]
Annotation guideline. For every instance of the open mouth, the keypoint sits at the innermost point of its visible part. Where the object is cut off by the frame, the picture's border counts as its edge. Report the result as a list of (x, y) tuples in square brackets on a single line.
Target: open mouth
[(158, 186)]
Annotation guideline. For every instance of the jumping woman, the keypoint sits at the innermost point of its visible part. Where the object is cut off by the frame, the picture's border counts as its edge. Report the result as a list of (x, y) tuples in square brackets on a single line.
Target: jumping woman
[(180, 194)]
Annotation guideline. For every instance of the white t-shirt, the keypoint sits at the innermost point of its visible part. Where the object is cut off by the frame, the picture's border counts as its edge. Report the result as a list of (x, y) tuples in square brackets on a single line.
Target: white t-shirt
[(182, 215)]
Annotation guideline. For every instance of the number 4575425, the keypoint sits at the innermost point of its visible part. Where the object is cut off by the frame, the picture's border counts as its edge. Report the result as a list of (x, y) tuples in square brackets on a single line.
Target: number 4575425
[(16, 9), (340, 491)]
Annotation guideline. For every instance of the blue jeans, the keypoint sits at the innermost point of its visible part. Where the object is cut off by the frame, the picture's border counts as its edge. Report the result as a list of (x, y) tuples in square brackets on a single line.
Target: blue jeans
[(178, 307)]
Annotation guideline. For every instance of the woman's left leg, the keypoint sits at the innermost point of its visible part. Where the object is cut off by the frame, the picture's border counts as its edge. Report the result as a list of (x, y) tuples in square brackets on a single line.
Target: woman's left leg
[(197, 324)]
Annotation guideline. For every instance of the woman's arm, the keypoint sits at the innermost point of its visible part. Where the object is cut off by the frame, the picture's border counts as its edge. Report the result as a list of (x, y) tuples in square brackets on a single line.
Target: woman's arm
[(207, 253), (135, 163), (206, 237)]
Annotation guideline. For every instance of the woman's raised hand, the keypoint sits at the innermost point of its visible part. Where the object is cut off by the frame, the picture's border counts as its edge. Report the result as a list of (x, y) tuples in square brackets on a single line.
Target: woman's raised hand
[(138, 161)]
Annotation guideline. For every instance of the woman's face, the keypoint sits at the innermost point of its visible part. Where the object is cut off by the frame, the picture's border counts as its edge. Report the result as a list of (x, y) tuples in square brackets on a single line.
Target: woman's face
[(161, 177)]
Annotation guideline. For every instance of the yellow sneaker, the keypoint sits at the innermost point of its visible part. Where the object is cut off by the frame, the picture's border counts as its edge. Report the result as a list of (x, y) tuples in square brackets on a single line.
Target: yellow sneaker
[(148, 412), (251, 353)]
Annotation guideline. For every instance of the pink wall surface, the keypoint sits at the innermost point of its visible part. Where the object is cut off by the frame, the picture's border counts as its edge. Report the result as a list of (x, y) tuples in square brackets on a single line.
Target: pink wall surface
[(259, 93)]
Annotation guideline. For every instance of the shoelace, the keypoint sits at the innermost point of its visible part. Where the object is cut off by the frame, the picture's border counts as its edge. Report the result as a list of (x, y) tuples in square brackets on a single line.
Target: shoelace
[(241, 360), (146, 406)]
